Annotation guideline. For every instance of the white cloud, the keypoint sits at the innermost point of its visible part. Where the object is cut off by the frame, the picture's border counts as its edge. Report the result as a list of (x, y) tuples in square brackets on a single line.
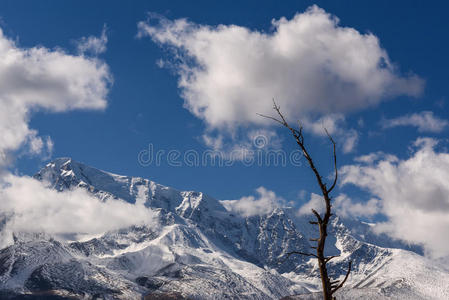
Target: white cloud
[(33, 79), (375, 156), (309, 64), (350, 139), (342, 206), (330, 122), (39, 146), (93, 44), (316, 202), (264, 203), (38, 78), (345, 207), (32, 207), (36, 143), (425, 121), (252, 145), (335, 124), (413, 193)]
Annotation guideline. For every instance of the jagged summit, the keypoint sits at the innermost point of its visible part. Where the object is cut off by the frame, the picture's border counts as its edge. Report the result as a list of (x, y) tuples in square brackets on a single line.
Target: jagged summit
[(65, 173)]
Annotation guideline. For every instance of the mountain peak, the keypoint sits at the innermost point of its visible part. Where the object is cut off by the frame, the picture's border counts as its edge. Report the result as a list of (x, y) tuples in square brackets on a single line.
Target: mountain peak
[(65, 174), (58, 163), (61, 160)]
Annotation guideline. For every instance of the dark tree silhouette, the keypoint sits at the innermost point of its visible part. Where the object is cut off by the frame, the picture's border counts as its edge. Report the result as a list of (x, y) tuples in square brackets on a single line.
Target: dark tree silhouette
[(329, 286)]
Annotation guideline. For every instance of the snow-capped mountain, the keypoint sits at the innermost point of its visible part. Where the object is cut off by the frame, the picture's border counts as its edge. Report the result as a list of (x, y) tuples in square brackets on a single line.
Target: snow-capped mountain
[(196, 249)]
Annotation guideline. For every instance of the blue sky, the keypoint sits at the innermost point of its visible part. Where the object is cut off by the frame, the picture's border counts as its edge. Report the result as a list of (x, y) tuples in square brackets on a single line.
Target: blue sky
[(145, 104)]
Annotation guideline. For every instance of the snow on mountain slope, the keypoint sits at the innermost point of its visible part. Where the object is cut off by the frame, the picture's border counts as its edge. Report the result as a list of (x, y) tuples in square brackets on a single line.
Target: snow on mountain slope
[(200, 250)]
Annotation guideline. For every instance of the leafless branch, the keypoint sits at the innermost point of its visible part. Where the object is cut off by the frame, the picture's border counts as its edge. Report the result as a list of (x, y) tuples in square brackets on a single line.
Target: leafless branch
[(296, 253), (344, 280), (317, 215), (327, 259), (335, 161), (270, 117)]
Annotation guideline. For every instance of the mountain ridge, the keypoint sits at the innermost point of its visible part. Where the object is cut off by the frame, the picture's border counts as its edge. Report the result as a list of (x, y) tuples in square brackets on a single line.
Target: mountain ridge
[(200, 250)]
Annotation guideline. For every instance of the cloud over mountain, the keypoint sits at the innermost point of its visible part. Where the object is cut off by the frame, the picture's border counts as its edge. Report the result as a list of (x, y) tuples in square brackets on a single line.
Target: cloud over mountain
[(41, 79), (413, 193), (264, 203), (30, 206)]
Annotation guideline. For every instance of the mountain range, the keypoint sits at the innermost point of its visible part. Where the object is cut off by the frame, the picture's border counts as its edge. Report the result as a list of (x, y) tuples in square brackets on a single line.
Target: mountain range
[(195, 248)]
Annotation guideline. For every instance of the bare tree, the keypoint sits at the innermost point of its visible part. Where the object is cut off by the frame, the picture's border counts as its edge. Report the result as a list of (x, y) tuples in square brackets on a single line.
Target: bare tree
[(329, 286)]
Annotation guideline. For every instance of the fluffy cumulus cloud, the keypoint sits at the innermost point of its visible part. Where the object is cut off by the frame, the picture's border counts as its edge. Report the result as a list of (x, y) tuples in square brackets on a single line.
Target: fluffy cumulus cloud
[(264, 203), (424, 121), (309, 64), (345, 207), (29, 206), (38, 78), (413, 193)]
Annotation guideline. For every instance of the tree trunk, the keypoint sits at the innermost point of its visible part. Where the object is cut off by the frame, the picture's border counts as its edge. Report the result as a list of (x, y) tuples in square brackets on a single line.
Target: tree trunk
[(329, 288)]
